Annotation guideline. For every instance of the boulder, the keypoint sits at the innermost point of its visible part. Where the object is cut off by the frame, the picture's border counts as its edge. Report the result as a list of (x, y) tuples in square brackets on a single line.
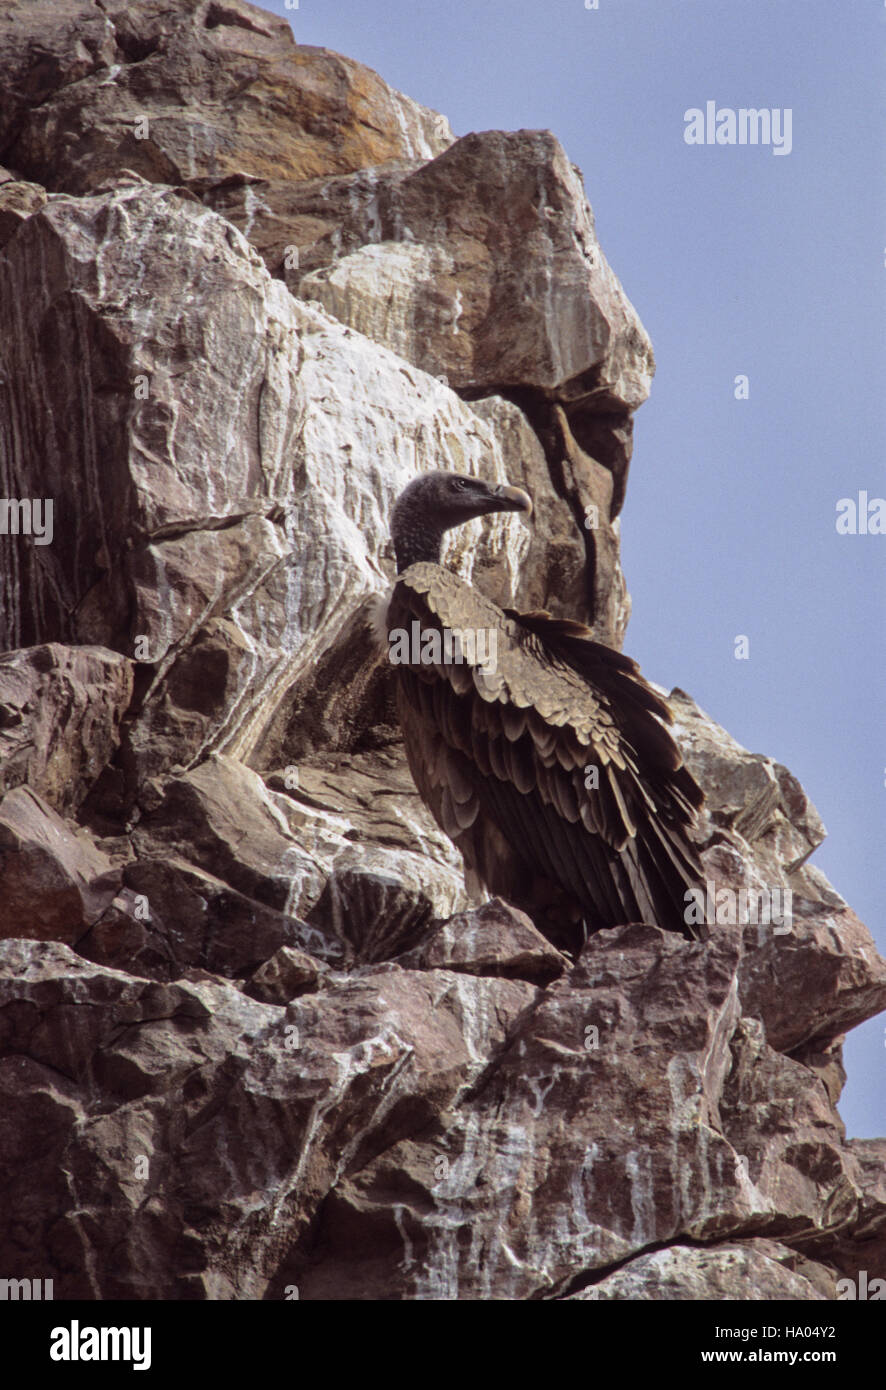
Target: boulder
[(60, 714), (182, 91), (55, 883)]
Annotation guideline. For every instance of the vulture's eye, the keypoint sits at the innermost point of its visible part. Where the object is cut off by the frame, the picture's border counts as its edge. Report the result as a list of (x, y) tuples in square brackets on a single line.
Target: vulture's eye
[(461, 484)]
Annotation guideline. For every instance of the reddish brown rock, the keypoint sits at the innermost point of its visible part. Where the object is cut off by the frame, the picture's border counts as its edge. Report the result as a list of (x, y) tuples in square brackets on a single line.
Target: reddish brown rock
[(365, 880), (859, 1255), (60, 714), (349, 189), (641, 1041), (495, 939), (172, 917), (18, 200), (291, 1099), (54, 883), (810, 970), (187, 91), (474, 310), (230, 826), (284, 976), (392, 254)]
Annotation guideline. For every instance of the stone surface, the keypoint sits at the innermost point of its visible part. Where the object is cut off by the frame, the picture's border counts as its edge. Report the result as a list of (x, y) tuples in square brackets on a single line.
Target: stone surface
[(54, 883), (764, 1268), (18, 200), (360, 894), (197, 573), (171, 917), (185, 91), (60, 714), (285, 975), (760, 828), (255, 1033), (292, 1099), (513, 297), (495, 939), (691, 1139), (466, 294), (861, 1253)]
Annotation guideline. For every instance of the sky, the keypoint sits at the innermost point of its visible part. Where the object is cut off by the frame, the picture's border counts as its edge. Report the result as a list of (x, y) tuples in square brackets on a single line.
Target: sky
[(740, 261)]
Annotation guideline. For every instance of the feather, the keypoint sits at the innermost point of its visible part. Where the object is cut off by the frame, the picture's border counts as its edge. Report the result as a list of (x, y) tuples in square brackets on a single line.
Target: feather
[(499, 753)]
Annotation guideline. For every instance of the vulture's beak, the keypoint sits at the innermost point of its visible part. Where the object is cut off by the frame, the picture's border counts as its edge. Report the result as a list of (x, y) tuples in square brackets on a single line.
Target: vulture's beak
[(511, 499)]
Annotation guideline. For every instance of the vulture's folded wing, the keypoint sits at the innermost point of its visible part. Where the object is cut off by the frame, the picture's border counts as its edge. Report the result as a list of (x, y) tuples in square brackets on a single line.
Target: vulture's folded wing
[(535, 746)]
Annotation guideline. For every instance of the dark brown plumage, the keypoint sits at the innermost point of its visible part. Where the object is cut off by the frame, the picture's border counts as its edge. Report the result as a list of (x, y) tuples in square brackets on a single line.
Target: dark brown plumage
[(504, 753)]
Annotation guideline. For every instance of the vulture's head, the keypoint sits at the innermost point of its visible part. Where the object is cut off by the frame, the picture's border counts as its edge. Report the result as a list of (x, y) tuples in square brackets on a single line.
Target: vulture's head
[(432, 504)]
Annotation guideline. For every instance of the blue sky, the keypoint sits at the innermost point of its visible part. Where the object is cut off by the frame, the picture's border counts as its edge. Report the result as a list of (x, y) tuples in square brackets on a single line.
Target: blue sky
[(738, 261)]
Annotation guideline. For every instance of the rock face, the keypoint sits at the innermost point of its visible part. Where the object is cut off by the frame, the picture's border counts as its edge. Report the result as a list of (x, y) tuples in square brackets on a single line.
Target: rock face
[(60, 715), (255, 1034), (186, 92)]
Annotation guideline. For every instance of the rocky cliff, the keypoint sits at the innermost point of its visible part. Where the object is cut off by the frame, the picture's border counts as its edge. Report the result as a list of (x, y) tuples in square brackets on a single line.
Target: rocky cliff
[(254, 1034)]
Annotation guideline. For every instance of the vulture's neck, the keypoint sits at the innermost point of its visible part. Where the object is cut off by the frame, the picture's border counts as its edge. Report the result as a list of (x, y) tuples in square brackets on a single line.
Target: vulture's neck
[(416, 538)]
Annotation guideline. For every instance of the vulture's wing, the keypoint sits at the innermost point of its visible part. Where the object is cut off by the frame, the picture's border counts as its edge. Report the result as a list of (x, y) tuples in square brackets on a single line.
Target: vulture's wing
[(550, 765)]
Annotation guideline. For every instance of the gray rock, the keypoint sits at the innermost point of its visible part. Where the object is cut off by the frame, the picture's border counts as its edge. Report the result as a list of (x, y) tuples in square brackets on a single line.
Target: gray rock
[(753, 1270)]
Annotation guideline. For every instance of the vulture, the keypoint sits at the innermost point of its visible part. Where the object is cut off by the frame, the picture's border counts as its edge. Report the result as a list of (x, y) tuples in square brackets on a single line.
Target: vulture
[(543, 754)]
